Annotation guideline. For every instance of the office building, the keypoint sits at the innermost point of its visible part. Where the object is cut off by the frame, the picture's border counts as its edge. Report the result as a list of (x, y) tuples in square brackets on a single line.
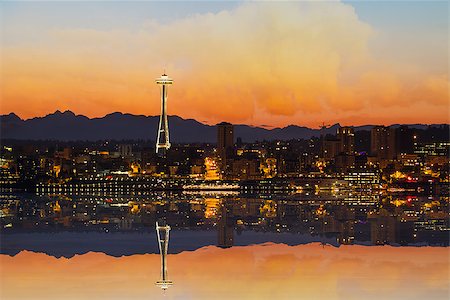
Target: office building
[(382, 143)]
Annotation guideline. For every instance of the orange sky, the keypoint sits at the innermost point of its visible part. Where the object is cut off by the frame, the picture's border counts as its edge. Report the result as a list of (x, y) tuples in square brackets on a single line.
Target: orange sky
[(258, 63), (268, 271)]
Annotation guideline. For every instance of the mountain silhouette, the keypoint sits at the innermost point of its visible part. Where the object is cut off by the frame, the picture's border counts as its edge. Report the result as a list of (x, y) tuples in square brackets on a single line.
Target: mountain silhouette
[(67, 126)]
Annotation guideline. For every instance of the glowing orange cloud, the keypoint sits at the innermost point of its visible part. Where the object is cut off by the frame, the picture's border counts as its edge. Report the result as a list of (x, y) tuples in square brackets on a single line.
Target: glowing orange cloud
[(253, 272), (261, 63)]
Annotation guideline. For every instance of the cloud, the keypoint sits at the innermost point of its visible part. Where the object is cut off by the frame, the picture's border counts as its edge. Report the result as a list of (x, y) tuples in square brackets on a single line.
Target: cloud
[(292, 61), (251, 272)]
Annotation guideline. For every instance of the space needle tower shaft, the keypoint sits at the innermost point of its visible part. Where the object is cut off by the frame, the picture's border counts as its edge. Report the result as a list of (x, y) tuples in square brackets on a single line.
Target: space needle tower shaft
[(162, 142)]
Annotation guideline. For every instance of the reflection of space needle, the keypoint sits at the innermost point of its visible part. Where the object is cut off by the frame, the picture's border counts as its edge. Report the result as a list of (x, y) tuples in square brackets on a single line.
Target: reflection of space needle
[(163, 241)]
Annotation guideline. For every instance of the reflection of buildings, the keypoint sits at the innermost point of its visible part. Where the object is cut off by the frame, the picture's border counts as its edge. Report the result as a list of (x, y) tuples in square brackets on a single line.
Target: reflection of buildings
[(225, 227), (163, 243), (382, 227), (363, 179), (341, 223), (350, 218), (393, 227), (346, 217)]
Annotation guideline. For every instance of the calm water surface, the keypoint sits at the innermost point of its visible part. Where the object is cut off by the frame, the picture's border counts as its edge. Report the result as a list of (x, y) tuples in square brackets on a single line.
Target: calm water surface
[(68, 225)]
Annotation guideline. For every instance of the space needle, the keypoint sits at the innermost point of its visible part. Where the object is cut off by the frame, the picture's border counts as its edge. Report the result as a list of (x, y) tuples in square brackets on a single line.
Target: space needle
[(162, 231), (162, 142)]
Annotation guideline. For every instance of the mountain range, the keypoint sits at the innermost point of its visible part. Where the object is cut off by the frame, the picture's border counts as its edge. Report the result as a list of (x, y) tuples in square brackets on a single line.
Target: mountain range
[(67, 126)]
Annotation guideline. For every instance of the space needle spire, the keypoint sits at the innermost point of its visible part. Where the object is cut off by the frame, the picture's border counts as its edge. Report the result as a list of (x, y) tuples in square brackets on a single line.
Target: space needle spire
[(162, 142)]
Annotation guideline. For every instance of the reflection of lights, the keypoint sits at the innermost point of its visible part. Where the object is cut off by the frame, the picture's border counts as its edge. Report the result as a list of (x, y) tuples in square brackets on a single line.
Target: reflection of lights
[(212, 171), (431, 204), (269, 209), (321, 211), (57, 207), (398, 202), (212, 206), (398, 175), (135, 208), (211, 186)]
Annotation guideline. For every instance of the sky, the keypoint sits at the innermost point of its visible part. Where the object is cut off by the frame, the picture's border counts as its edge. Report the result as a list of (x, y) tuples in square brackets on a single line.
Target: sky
[(267, 271), (271, 63)]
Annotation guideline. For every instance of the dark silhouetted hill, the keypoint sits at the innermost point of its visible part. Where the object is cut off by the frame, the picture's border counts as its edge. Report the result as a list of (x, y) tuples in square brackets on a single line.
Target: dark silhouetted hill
[(66, 126)]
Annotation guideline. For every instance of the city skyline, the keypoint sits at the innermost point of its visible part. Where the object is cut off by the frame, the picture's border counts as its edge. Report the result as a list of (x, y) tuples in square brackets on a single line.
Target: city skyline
[(309, 149), (375, 63)]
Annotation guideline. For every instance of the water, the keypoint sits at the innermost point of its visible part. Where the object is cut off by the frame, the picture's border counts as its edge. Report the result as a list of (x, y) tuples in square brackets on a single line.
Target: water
[(125, 225)]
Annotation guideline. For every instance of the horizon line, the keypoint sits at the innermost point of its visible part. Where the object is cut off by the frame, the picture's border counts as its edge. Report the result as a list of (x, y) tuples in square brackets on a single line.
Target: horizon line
[(262, 126)]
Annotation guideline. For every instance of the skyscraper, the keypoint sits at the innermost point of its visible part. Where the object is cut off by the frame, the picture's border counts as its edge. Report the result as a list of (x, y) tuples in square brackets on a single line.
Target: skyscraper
[(225, 139), (162, 230), (225, 147), (382, 142), (162, 142), (404, 137), (346, 138), (341, 149)]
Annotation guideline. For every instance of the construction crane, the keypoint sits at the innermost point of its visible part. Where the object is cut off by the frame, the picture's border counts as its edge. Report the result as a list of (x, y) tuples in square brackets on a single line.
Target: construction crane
[(324, 126)]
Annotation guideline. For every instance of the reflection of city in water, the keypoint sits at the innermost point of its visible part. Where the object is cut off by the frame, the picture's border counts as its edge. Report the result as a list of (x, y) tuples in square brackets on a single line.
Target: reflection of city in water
[(343, 219)]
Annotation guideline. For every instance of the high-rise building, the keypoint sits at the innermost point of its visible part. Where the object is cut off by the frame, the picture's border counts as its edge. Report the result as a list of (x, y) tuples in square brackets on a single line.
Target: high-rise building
[(405, 139), (162, 231), (343, 144), (330, 148), (382, 142), (225, 136), (225, 143), (346, 137), (162, 142)]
